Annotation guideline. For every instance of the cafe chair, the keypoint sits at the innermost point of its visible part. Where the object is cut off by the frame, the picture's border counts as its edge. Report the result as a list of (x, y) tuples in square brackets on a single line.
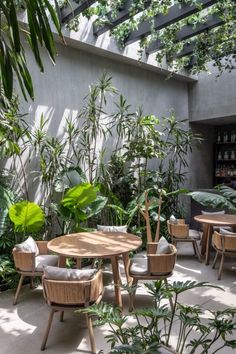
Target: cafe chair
[(225, 246), (29, 257), (66, 289), (153, 266), (179, 232)]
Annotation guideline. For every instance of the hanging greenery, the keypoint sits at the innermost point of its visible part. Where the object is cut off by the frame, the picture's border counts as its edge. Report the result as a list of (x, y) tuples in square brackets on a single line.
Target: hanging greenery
[(216, 45)]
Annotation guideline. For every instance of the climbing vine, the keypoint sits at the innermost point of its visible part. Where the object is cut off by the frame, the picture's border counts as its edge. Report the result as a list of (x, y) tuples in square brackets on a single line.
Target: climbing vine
[(217, 44)]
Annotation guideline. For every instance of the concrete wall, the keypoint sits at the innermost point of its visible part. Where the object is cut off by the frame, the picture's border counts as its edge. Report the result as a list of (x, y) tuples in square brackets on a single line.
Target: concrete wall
[(60, 90), (212, 98)]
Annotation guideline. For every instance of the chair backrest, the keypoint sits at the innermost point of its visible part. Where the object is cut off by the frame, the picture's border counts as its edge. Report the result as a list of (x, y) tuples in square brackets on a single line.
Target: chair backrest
[(224, 242), (160, 264), (73, 292), (178, 230), (24, 261)]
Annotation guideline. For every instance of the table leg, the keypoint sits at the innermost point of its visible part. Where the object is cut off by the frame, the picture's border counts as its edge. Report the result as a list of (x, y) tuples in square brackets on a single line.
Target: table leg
[(117, 282), (208, 245), (62, 262), (126, 261), (204, 239)]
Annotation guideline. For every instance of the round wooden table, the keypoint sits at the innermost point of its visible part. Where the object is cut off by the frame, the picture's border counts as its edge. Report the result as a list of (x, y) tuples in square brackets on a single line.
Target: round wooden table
[(98, 244), (208, 222)]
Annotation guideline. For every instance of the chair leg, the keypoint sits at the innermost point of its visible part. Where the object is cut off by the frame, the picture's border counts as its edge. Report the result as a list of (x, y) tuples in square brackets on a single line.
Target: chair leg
[(132, 295), (31, 282), (91, 335), (18, 289), (221, 266), (170, 299), (45, 338), (215, 260), (62, 316), (195, 247)]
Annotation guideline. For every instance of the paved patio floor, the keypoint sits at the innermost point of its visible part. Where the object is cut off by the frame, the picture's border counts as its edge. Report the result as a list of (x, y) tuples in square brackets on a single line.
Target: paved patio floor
[(22, 326)]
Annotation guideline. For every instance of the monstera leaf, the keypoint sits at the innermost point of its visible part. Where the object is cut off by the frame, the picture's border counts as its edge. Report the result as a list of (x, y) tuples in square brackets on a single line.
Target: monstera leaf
[(26, 217)]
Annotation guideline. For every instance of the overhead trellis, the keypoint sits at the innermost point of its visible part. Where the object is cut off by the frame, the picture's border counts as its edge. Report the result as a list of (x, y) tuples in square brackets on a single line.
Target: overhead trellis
[(182, 33)]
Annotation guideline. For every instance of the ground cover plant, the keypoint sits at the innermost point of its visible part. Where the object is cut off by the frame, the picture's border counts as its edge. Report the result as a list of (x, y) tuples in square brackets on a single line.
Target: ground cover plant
[(153, 327)]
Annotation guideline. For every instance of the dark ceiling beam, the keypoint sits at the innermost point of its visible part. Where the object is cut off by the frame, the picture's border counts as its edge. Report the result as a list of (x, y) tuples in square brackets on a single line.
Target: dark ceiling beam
[(74, 9), (123, 14), (188, 32), (175, 14)]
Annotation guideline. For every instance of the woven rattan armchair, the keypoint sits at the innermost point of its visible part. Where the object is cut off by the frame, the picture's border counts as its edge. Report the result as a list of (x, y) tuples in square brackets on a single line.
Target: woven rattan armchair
[(180, 233), (27, 264), (225, 245), (62, 295), (153, 267)]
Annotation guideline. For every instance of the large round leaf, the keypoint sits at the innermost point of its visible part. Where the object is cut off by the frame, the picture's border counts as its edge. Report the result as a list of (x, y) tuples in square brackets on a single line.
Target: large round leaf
[(80, 197), (212, 200), (26, 216)]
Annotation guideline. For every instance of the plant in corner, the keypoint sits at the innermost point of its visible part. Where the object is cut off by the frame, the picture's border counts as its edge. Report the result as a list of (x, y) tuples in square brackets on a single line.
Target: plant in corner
[(149, 330)]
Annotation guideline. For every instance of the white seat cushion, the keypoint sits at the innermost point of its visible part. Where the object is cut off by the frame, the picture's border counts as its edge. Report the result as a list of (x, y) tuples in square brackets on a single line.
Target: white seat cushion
[(28, 245), (106, 228), (139, 266), (44, 260), (194, 234), (57, 273)]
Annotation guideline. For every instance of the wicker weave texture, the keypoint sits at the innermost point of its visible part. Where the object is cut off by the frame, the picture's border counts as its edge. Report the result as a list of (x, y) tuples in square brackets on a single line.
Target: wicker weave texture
[(24, 261), (73, 292)]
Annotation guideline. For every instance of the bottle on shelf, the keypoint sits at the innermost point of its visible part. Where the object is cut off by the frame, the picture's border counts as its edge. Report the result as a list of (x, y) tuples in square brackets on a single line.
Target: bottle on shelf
[(233, 155), (218, 137), (233, 136), (219, 155), (225, 137), (226, 155)]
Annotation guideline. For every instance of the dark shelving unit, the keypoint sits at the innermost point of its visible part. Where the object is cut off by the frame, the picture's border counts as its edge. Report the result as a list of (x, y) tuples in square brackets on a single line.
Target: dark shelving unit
[(225, 155)]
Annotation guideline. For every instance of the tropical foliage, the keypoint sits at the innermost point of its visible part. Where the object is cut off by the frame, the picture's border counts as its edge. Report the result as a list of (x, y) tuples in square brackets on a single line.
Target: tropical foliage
[(147, 330), (12, 53), (225, 198)]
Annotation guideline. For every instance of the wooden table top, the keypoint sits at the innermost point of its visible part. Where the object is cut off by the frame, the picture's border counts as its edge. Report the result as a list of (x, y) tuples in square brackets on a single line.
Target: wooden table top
[(94, 244), (217, 219)]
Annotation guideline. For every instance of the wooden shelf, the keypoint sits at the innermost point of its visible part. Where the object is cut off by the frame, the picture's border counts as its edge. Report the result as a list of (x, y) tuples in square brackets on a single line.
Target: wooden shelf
[(226, 160), (225, 176), (228, 143)]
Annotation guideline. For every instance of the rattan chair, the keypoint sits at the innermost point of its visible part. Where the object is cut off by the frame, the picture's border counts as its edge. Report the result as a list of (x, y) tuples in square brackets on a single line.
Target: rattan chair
[(62, 295), (28, 265), (180, 233), (225, 245), (153, 267)]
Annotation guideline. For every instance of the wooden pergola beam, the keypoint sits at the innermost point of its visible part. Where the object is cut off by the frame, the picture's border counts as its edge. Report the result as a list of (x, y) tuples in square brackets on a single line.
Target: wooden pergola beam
[(74, 9), (123, 14), (160, 21), (188, 32)]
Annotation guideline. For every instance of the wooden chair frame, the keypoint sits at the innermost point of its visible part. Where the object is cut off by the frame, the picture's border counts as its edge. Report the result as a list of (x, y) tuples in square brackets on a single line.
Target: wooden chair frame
[(160, 267), (180, 233), (25, 266), (225, 245), (66, 295)]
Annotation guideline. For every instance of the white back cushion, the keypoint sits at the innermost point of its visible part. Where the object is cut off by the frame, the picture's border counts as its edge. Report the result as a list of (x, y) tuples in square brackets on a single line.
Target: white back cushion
[(226, 232), (212, 212), (163, 246), (56, 273), (28, 245), (173, 219), (106, 228)]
